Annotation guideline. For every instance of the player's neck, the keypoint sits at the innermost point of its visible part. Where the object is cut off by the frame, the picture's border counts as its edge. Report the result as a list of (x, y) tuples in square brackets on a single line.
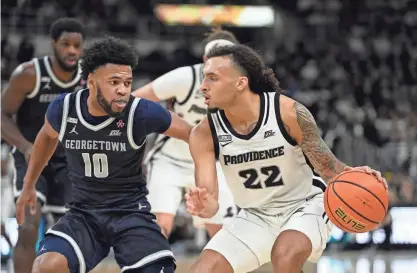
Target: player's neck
[(94, 108), (245, 110), (61, 74)]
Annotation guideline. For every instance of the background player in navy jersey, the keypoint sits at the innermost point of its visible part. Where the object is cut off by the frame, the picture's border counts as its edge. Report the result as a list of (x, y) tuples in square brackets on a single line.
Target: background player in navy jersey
[(103, 130), (32, 86), (274, 161)]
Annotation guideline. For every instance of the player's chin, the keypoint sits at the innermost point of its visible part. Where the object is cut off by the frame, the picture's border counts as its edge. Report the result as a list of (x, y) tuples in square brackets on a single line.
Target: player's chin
[(212, 109), (70, 67)]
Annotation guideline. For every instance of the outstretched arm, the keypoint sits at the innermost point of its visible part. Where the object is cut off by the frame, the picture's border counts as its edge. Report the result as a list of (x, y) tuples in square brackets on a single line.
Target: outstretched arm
[(202, 151), (172, 85), (43, 149), (155, 119), (203, 200), (146, 92), (179, 128), (46, 141)]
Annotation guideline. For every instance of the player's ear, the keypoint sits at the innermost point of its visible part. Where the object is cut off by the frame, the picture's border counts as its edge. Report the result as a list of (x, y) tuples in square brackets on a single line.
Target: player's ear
[(242, 83), (91, 82)]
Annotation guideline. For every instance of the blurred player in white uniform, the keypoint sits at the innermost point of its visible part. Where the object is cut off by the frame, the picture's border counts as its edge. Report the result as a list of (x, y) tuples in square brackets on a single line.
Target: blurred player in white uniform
[(170, 166), (275, 163), (7, 202)]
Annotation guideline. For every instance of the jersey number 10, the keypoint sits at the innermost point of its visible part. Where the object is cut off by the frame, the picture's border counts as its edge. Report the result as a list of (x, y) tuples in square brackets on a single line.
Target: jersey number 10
[(100, 165), (272, 173)]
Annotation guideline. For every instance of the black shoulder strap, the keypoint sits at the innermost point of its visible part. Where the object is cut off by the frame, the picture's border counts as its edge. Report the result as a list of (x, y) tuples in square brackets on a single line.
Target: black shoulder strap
[(280, 122), (213, 135)]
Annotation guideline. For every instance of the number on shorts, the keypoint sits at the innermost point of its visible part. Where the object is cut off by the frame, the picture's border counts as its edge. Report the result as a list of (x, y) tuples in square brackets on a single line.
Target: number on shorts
[(100, 165), (272, 173)]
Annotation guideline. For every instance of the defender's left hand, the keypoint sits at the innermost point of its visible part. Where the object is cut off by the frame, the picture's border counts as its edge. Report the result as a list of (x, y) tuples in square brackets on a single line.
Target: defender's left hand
[(368, 170)]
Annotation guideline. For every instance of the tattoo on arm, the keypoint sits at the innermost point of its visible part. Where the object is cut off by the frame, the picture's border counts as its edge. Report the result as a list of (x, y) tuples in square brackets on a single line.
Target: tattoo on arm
[(316, 150)]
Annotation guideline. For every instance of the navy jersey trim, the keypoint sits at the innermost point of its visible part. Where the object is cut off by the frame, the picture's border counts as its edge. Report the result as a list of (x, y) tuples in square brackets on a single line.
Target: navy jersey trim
[(59, 83), (190, 92), (281, 126), (214, 136), (38, 73), (258, 124)]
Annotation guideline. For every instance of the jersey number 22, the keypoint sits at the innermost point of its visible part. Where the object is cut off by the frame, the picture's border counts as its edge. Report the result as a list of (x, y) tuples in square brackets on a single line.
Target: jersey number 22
[(272, 174), (100, 165)]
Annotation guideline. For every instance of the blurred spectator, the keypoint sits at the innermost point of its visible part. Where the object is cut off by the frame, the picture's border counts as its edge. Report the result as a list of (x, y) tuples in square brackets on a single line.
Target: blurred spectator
[(25, 51), (353, 63)]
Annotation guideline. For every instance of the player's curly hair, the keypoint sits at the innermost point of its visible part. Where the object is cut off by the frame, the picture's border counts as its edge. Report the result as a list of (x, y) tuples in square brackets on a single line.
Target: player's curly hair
[(110, 50), (261, 78), (217, 33), (66, 24)]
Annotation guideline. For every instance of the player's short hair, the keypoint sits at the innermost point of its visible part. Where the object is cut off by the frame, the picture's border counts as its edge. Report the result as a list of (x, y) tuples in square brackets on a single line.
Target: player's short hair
[(66, 24), (250, 63), (218, 34), (110, 50)]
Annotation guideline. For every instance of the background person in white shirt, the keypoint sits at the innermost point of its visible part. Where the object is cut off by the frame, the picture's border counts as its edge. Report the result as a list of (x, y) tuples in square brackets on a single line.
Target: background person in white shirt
[(169, 162)]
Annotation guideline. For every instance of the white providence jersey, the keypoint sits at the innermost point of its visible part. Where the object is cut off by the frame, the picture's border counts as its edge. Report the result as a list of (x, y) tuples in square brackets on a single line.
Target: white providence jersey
[(265, 169), (182, 84)]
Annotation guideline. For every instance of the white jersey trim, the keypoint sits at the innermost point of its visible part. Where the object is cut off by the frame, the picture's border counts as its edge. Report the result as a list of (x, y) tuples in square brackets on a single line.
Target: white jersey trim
[(85, 123), (38, 80), (77, 249), (149, 259), (130, 125), (56, 80), (64, 117), (191, 89)]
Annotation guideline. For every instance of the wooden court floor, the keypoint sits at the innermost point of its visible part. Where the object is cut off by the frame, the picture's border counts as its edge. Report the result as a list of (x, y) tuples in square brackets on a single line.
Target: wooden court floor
[(367, 261)]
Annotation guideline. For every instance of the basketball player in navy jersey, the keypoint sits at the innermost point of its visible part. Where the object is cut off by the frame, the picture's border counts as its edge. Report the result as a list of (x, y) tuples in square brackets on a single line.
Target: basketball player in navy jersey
[(274, 161), (103, 130), (32, 86)]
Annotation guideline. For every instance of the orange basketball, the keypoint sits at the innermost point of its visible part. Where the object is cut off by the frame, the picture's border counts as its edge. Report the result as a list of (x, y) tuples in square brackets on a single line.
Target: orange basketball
[(356, 201)]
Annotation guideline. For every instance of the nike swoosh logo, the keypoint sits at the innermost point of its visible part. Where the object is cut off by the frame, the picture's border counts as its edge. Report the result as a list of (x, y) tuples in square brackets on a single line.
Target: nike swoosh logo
[(224, 145)]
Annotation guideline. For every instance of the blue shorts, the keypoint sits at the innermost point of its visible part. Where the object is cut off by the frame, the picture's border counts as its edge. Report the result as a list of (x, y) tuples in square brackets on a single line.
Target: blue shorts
[(85, 237)]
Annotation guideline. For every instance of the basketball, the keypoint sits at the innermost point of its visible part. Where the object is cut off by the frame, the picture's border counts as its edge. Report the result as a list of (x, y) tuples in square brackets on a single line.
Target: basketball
[(355, 201)]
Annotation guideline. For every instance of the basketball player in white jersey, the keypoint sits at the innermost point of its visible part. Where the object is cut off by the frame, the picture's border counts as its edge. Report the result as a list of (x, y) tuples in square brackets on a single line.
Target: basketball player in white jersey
[(170, 166), (270, 149)]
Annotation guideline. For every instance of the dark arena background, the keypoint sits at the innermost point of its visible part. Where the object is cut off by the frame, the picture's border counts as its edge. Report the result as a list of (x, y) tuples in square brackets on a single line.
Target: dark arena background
[(352, 62)]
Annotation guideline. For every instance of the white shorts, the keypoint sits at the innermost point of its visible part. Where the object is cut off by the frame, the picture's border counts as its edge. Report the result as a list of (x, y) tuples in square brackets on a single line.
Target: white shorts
[(167, 184), (246, 242), (7, 200)]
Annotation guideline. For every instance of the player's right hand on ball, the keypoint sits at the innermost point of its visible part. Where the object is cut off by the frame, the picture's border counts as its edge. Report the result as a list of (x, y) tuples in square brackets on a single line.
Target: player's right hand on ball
[(27, 197), (200, 203)]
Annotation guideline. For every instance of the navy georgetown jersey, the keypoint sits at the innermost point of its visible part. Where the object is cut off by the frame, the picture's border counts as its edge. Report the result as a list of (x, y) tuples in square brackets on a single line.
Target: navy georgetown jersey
[(30, 116), (104, 153)]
